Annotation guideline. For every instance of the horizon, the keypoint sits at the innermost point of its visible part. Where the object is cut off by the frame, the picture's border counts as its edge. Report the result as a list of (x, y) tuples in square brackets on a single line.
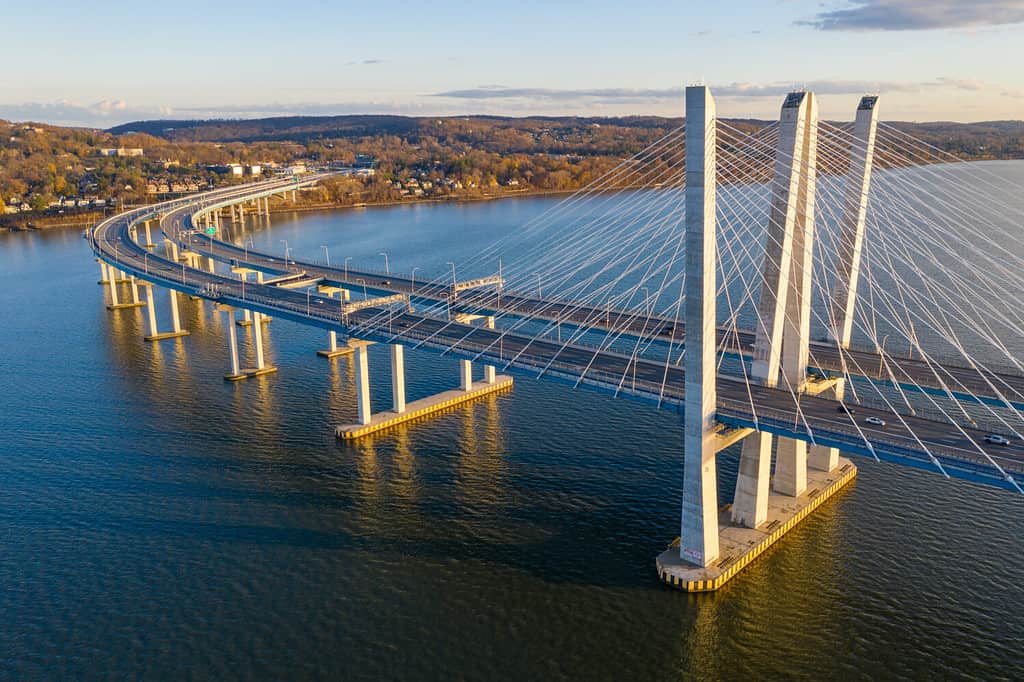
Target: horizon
[(932, 61)]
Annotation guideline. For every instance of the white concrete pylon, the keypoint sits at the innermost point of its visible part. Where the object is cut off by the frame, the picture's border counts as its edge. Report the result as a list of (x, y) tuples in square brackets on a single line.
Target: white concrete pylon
[(104, 277), (151, 310), (398, 377), (175, 317), (750, 501), (135, 290), (848, 252), (362, 384), (791, 454), (465, 375), (236, 370), (257, 339), (698, 535), (490, 374), (112, 284)]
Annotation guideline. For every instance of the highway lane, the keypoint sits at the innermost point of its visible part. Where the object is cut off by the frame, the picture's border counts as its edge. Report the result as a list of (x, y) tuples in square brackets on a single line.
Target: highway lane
[(905, 439)]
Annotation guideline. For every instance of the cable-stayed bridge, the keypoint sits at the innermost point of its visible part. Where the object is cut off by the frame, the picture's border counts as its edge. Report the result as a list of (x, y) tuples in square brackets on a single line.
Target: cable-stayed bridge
[(802, 288)]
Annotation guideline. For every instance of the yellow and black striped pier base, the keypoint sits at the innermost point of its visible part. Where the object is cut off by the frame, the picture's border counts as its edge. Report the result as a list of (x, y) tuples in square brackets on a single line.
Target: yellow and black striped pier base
[(421, 409), (738, 546)]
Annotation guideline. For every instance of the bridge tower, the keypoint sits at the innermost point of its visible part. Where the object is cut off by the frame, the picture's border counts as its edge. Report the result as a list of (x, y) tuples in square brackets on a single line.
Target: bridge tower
[(782, 333), (848, 252), (698, 537)]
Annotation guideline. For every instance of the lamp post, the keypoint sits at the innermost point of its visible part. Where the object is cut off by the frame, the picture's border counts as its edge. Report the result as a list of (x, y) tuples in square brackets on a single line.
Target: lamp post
[(881, 355), (414, 280), (346, 266), (363, 281), (285, 242), (387, 269), (309, 291), (540, 297), (327, 254)]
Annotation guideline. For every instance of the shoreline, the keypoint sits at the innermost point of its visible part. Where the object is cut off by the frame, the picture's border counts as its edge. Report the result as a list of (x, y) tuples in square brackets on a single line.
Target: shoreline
[(44, 224)]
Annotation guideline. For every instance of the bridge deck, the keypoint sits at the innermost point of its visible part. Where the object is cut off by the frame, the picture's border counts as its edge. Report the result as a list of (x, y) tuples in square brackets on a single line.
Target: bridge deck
[(907, 440)]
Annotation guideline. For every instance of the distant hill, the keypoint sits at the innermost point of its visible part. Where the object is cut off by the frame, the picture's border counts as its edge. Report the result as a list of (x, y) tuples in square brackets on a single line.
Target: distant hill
[(989, 139)]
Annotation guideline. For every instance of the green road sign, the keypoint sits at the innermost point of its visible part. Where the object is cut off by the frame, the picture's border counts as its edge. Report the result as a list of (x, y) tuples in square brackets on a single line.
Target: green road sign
[(211, 231)]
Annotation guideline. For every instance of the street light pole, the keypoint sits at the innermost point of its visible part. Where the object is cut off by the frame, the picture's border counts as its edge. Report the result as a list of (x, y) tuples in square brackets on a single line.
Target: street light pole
[(387, 269), (346, 266), (365, 295), (285, 242), (414, 280), (540, 296), (327, 253)]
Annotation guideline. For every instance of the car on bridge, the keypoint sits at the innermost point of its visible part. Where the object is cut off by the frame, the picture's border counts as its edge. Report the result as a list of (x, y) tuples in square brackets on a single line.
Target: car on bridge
[(996, 439), (875, 420)]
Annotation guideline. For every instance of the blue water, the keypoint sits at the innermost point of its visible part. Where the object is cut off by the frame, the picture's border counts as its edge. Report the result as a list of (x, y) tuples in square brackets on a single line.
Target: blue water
[(159, 522)]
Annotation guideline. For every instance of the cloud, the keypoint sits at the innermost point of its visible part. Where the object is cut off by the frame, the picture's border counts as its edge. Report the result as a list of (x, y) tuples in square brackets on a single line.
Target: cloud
[(485, 92), (734, 89), (918, 15), (98, 115), (365, 62)]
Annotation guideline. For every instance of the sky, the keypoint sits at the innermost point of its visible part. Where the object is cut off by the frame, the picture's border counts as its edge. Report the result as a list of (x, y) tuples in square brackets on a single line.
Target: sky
[(110, 62)]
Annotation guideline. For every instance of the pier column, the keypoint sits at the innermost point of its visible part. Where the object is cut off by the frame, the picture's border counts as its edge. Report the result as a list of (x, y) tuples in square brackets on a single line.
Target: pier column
[(362, 384), (698, 531), (266, 206), (236, 370), (211, 264), (466, 375), (135, 290), (848, 253), (787, 215), (490, 376), (112, 285), (257, 339), (398, 376), (175, 318), (332, 341), (151, 309), (149, 236), (104, 277)]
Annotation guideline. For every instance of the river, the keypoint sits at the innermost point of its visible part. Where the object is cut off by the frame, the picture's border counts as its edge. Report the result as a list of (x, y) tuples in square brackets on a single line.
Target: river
[(159, 522)]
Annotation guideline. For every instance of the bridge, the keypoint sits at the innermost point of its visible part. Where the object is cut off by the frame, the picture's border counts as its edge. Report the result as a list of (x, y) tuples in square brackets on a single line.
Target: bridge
[(693, 239)]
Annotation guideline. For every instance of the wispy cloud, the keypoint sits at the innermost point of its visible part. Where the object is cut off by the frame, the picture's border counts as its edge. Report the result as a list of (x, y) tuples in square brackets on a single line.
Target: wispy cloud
[(365, 62), (918, 15), (734, 89)]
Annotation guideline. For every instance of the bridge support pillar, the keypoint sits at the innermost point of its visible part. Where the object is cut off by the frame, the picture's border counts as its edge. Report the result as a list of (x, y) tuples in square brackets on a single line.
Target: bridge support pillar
[(465, 375), (790, 467), (104, 277), (236, 370), (266, 206), (698, 534), (149, 237), (362, 385), (490, 373), (257, 340), (154, 330), (398, 377), (135, 291), (750, 502)]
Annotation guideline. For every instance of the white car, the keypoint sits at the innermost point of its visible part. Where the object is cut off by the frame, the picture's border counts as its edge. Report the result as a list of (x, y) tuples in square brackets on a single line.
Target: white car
[(997, 439), (874, 420)]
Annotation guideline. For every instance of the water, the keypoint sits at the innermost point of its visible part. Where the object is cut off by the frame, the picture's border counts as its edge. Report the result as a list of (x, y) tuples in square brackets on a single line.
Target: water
[(156, 521)]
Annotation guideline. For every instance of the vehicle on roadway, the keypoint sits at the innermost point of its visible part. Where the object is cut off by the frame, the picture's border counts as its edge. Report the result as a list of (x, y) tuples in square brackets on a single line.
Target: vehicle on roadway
[(996, 439), (875, 420), (843, 407)]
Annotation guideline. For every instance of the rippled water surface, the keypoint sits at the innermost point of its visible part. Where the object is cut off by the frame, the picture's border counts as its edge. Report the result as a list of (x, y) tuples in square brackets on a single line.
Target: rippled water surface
[(158, 522)]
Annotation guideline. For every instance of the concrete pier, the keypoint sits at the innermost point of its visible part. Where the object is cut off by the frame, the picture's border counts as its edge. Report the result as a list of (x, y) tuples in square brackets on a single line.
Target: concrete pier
[(112, 282), (739, 545), (154, 331), (261, 367), (421, 409), (398, 378), (465, 375)]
